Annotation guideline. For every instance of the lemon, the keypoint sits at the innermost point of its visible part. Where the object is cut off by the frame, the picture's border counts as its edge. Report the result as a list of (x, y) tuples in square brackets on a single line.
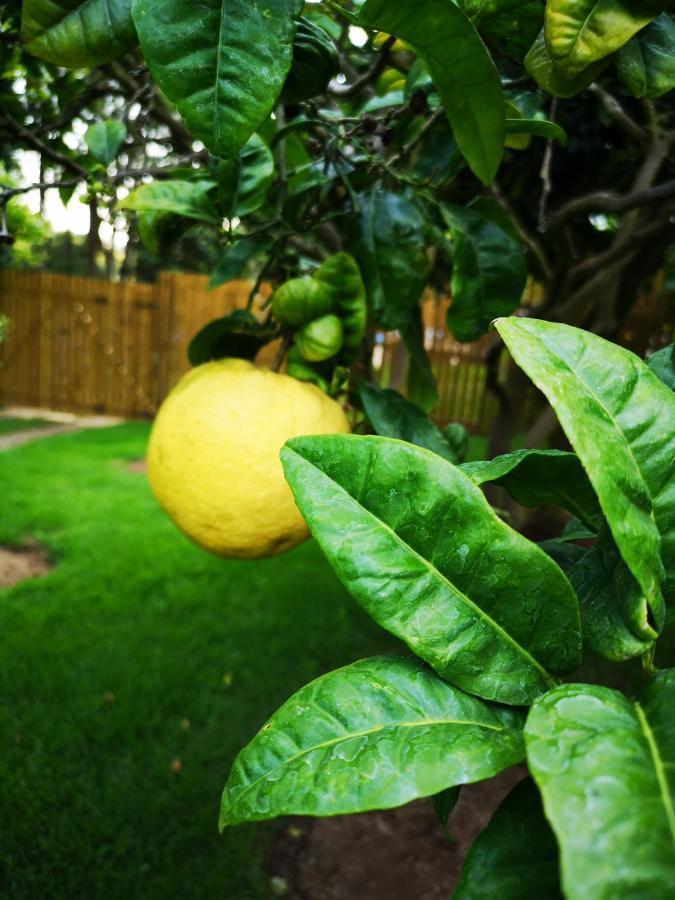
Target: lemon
[(213, 457)]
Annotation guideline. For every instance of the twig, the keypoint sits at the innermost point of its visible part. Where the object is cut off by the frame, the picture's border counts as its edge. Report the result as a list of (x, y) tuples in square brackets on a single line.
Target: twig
[(619, 115), (545, 173), (45, 148), (7, 193), (378, 67), (524, 234), (413, 142)]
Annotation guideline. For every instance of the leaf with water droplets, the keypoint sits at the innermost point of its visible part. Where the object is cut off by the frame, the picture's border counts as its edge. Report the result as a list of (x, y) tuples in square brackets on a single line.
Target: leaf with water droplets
[(373, 735), (419, 547)]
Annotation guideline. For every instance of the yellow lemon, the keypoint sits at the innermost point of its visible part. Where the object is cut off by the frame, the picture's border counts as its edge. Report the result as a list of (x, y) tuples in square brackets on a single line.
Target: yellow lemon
[(213, 457)]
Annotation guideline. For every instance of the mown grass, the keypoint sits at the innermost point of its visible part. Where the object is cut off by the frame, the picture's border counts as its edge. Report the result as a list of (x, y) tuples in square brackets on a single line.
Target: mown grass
[(137, 651)]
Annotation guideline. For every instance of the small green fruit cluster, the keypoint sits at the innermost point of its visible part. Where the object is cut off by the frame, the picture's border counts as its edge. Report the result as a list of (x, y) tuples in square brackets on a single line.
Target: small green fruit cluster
[(327, 311)]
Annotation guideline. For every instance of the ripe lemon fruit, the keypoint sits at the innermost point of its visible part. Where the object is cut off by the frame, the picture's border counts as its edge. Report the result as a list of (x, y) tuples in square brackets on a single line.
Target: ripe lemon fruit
[(213, 457)]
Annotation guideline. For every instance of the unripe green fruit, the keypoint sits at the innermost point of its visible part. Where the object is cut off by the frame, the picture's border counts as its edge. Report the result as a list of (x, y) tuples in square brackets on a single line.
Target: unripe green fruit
[(320, 339), (300, 300)]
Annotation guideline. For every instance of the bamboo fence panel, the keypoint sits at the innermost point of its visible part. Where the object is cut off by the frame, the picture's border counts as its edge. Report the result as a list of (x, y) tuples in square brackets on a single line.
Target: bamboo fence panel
[(92, 346)]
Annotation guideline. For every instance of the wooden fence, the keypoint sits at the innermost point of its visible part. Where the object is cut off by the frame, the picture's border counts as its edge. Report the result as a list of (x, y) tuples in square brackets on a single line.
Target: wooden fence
[(91, 346)]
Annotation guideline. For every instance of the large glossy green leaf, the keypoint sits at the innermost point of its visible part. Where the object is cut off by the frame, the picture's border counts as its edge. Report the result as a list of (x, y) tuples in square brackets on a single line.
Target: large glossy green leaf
[(182, 198), (646, 64), (516, 856), (104, 139), (618, 417), (222, 62), (606, 770), (389, 245), (372, 735), (416, 543), (391, 415), (581, 32), (73, 33), (534, 477), (611, 602), (540, 64), (488, 272), (463, 72)]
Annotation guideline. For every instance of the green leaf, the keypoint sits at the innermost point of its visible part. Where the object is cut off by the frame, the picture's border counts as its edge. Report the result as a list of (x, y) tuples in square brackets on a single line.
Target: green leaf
[(552, 78), (183, 198), (372, 735), (581, 32), (237, 256), (104, 139), (341, 275), (315, 61), (421, 384), (488, 272), (222, 62), (510, 27), (646, 64), (238, 334), (611, 602), (416, 543), (516, 856), (606, 770), (534, 477), (243, 182), (538, 127), (618, 417), (662, 364), (390, 247), (458, 438), (391, 415), (443, 804), (461, 68), (75, 34), (152, 228), (565, 553)]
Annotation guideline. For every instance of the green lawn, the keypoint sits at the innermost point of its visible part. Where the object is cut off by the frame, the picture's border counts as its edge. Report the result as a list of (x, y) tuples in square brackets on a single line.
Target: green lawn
[(134, 634), (10, 425)]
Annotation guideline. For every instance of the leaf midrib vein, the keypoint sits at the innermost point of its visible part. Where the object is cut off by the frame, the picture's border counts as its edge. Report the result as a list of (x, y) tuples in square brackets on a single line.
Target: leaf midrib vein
[(659, 768), (365, 733), (455, 590)]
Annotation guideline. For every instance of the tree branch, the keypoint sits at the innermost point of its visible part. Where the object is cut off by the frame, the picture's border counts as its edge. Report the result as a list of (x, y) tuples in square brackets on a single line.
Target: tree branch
[(45, 148), (604, 201), (618, 114)]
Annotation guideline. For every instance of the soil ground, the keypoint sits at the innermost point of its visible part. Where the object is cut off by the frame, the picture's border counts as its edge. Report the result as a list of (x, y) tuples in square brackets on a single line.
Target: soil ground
[(398, 854), (27, 561)]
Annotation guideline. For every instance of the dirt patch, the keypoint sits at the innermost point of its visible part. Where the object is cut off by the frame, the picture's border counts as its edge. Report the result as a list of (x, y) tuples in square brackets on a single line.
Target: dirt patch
[(400, 854), (27, 561), (137, 465)]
